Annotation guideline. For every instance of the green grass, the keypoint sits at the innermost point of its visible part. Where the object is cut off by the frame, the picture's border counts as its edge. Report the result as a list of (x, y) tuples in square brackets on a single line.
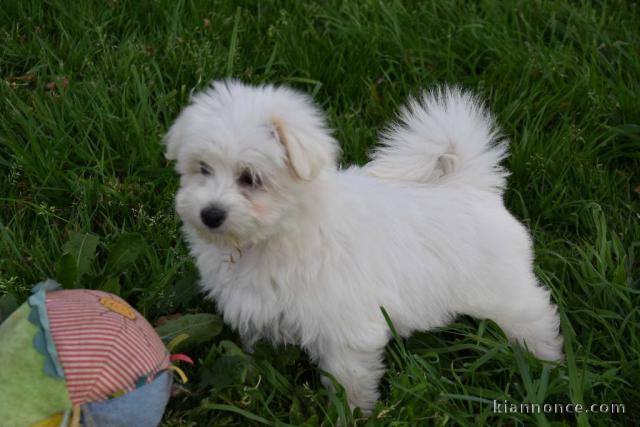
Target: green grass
[(562, 77)]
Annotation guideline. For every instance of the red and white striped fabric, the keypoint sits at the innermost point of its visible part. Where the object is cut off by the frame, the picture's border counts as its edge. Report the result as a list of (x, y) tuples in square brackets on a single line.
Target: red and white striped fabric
[(104, 345)]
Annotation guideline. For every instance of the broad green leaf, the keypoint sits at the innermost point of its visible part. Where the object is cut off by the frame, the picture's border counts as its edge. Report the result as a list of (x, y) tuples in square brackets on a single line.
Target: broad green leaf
[(295, 413), (181, 293), (67, 271), (112, 285), (8, 304), (200, 327), (82, 247), (226, 371), (230, 348), (124, 252)]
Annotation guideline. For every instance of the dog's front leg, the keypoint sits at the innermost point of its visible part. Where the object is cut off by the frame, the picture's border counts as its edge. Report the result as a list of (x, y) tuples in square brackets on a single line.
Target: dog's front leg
[(248, 342), (358, 370)]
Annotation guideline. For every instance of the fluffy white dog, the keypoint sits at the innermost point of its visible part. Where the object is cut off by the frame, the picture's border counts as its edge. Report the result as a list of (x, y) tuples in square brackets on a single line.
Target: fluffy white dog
[(295, 250)]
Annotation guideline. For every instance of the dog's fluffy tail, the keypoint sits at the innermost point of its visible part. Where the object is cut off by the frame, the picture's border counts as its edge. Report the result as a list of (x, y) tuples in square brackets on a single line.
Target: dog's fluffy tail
[(445, 135)]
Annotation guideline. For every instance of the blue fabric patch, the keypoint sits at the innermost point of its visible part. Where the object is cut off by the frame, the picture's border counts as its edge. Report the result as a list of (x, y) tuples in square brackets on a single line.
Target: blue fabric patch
[(43, 341), (47, 285), (142, 407)]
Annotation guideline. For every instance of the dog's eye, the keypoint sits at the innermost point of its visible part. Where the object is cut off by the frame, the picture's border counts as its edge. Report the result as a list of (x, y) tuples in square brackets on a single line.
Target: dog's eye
[(205, 169), (248, 179)]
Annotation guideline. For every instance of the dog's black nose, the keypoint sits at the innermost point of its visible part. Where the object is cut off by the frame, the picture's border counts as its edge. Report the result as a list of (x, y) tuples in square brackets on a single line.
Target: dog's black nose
[(212, 216)]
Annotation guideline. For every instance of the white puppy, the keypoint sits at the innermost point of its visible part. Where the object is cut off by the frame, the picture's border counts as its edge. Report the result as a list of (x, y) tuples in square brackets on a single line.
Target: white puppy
[(295, 250)]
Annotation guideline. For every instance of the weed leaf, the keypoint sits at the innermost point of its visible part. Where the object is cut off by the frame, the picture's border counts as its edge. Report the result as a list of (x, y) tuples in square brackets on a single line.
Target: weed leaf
[(200, 327), (124, 252), (67, 271), (82, 247)]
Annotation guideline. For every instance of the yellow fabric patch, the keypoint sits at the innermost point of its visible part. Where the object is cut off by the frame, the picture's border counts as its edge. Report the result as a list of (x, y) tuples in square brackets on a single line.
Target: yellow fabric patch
[(118, 307), (53, 421), (180, 373), (117, 394), (176, 341)]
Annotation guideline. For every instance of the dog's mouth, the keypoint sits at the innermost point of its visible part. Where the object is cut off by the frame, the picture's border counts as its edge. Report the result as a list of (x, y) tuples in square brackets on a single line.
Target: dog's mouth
[(219, 237)]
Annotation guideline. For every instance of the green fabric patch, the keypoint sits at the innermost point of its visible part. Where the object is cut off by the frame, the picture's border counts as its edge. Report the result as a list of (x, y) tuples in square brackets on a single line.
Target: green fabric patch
[(27, 395)]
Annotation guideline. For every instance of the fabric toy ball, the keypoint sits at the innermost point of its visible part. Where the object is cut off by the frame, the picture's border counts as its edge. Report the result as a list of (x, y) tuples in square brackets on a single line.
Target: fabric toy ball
[(81, 357)]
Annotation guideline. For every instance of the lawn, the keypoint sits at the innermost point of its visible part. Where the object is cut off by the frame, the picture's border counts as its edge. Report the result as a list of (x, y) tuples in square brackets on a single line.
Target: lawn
[(89, 87)]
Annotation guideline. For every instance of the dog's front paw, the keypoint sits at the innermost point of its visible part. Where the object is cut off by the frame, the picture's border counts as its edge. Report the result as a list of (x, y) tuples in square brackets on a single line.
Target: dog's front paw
[(248, 343), (357, 395), (358, 371)]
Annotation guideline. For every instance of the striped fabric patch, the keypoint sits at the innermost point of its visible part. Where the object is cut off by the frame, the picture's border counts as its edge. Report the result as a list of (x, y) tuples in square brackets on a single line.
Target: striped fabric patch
[(103, 344)]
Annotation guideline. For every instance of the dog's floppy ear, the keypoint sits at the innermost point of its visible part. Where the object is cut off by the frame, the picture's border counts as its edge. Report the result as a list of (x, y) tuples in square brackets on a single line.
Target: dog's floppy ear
[(172, 140), (308, 150)]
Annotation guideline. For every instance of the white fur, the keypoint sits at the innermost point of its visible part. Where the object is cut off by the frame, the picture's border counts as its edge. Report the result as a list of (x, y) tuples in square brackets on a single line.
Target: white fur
[(310, 257)]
